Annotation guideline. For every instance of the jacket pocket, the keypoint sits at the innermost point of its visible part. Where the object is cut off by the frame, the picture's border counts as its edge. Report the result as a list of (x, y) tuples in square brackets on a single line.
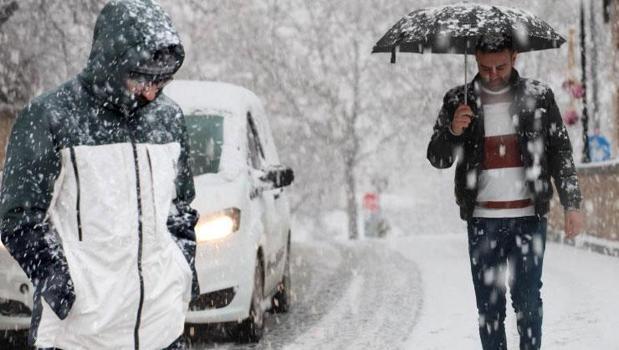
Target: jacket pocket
[(186, 271), (77, 202), (161, 161)]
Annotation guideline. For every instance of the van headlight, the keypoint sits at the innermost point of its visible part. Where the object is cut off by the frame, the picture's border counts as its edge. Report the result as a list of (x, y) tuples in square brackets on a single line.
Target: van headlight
[(217, 226)]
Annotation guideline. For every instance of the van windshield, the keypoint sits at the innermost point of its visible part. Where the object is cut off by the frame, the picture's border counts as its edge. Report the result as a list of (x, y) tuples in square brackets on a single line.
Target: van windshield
[(206, 137)]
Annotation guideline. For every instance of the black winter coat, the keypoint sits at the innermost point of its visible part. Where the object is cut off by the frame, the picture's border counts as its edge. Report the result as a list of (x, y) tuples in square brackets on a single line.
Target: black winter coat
[(544, 145)]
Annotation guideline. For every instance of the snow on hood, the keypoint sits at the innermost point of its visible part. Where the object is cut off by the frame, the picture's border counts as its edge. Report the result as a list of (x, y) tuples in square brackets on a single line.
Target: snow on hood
[(130, 36)]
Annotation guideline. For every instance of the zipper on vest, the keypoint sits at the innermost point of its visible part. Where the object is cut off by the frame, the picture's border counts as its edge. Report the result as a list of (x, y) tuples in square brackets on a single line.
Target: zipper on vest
[(77, 182), (136, 332)]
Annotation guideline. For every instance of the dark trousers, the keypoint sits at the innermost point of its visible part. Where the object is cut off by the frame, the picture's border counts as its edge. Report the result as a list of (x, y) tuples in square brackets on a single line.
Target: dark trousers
[(511, 247)]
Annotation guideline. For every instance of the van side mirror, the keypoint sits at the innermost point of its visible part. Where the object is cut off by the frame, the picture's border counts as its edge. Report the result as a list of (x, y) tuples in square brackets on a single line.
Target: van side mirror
[(271, 178), (279, 176)]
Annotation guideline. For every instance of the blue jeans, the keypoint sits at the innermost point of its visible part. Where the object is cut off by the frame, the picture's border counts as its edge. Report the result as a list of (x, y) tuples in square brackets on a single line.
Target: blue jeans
[(511, 247)]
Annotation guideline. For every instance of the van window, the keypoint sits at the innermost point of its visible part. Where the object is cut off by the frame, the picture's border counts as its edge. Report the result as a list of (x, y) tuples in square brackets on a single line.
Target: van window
[(256, 153), (206, 137)]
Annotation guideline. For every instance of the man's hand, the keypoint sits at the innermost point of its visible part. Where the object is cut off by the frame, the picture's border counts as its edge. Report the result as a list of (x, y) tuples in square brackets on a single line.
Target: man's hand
[(462, 118), (574, 222)]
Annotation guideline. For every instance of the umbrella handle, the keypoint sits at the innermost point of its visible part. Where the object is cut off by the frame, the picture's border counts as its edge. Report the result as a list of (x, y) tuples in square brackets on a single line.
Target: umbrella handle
[(466, 92)]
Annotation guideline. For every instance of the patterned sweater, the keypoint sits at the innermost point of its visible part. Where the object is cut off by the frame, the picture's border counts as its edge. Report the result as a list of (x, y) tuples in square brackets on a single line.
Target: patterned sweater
[(502, 190)]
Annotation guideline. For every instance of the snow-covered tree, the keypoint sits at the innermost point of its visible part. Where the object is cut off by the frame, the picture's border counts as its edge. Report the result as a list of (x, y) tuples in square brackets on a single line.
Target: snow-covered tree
[(43, 43)]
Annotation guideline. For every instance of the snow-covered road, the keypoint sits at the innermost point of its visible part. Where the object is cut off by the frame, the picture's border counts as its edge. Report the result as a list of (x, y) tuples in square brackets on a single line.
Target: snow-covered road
[(581, 309), (415, 292), (357, 295)]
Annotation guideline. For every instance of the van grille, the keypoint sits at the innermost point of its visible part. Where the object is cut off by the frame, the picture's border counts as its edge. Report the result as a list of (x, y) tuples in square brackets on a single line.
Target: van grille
[(213, 300), (14, 308)]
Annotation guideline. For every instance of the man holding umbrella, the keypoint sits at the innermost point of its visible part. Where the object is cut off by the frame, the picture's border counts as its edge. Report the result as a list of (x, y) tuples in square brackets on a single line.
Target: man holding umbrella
[(508, 139)]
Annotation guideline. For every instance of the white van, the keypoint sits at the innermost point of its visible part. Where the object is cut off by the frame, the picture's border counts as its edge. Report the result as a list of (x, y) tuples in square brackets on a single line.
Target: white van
[(15, 298), (243, 235), (15, 295)]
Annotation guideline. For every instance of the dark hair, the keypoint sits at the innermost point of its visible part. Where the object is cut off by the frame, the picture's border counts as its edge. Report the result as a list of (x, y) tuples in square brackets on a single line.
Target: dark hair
[(492, 43)]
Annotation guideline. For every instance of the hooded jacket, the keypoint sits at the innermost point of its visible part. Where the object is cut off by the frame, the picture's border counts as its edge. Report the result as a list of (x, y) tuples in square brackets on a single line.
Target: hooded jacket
[(544, 145), (96, 192)]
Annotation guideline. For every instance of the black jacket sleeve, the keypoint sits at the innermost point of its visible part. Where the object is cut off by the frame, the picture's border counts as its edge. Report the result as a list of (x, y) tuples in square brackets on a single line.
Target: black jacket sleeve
[(182, 218), (560, 159), (442, 148), (31, 168)]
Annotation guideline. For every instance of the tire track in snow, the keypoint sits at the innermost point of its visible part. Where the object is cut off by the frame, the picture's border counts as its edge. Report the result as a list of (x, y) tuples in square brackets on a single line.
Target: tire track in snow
[(318, 281), (378, 309), (351, 295)]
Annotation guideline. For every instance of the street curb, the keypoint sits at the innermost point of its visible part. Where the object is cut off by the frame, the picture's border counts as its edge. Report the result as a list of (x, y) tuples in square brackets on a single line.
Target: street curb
[(587, 242)]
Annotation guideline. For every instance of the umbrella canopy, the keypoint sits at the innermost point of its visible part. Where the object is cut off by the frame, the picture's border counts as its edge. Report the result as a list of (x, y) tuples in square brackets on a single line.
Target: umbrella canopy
[(458, 28)]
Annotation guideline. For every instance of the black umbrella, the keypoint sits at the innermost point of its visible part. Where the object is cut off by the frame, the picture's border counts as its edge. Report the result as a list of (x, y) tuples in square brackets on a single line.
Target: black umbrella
[(458, 28)]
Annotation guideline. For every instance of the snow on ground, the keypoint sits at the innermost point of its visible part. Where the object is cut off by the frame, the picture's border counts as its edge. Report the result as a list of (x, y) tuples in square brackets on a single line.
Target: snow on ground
[(448, 316), (414, 291), (378, 307), (581, 310), (345, 295), (580, 291)]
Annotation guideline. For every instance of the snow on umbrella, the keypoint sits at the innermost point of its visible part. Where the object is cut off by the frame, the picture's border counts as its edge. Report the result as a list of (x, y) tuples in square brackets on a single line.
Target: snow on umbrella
[(458, 29)]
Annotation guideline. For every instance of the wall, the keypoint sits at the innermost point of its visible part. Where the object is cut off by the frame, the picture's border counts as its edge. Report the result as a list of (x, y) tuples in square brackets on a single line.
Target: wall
[(599, 184)]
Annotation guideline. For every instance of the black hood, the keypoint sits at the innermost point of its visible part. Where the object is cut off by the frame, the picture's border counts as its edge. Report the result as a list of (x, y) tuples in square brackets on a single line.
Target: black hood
[(131, 36)]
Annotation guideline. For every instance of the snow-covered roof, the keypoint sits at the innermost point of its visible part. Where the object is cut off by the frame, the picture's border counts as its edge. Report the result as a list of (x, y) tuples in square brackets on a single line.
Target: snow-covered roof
[(195, 96), (224, 99)]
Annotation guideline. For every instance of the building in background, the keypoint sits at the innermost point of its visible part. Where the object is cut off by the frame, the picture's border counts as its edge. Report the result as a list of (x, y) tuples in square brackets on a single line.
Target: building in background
[(611, 17), (6, 111), (600, 180)]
